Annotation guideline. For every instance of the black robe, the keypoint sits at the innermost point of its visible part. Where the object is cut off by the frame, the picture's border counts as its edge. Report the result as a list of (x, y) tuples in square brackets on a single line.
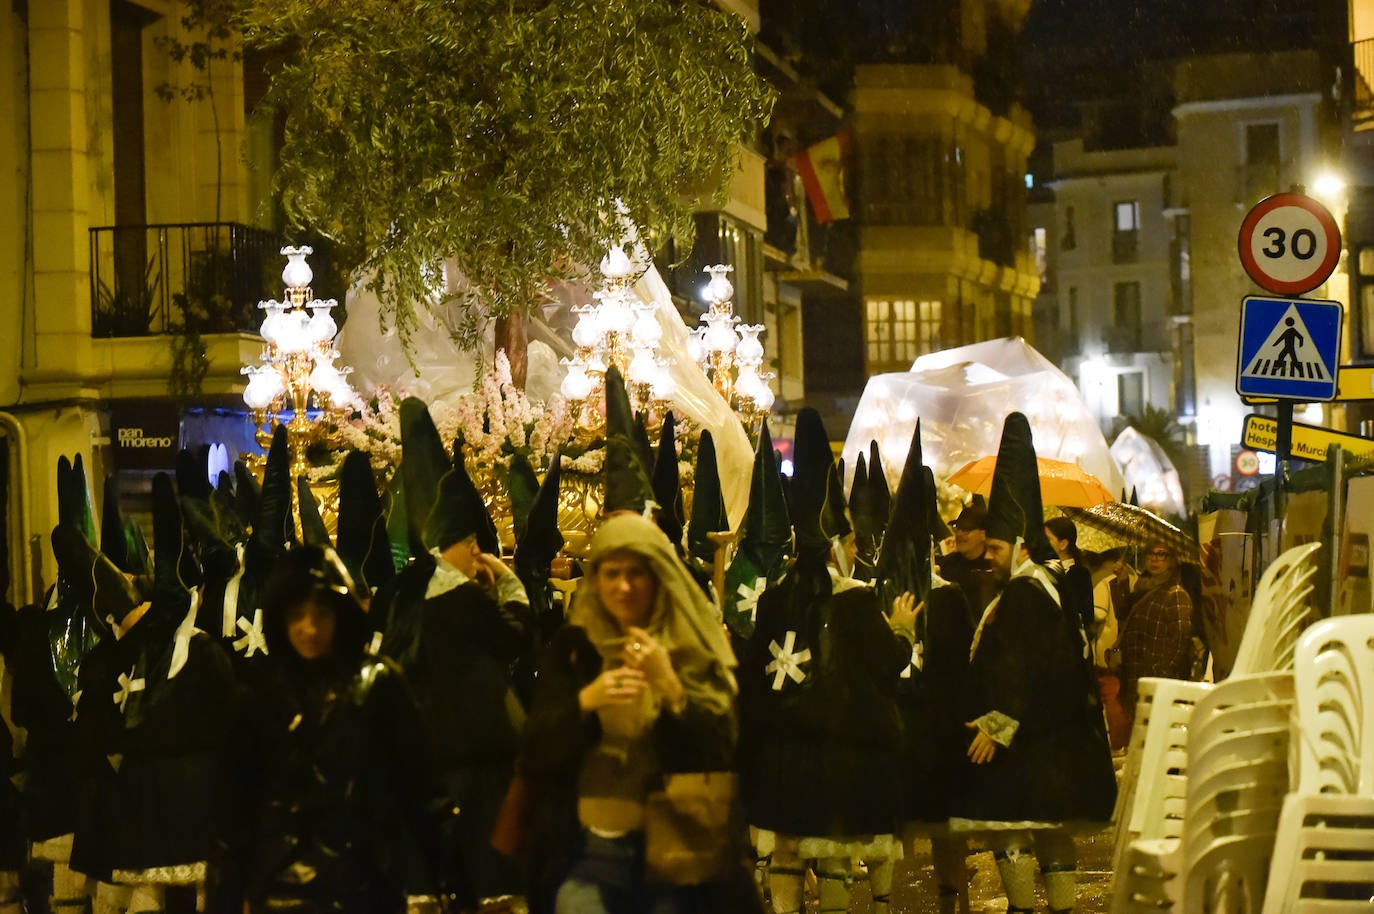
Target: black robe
[(342, 784), (13, 847), (557, 737), (458, 651), (1030, 665), (152, 768), (931, 702), (822, 757), (44, 682)]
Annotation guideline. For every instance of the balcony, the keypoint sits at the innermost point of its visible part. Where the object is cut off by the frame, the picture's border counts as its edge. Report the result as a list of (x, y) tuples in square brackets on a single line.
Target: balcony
[(1122, 340), (148, 280), (1362, 111)]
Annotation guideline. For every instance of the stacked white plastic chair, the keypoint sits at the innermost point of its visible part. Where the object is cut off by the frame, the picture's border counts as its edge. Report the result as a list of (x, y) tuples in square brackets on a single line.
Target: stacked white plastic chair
[(1217, 853), (1324, 853), (1239, 743)]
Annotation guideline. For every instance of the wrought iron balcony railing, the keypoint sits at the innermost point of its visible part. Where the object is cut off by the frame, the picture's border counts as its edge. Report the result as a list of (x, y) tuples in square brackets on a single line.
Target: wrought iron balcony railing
[(207, 276)]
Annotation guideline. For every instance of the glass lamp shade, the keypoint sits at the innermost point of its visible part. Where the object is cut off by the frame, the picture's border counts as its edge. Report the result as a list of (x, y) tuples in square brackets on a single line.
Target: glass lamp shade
[(616, 316), (293, 334), (643, 367), (264, 386), (749, 350), (576, 385), (322, 326), (763, 397), (720, 336), (646, 330), (695, 348), (597, 363), (325, 377), (341, 395), (664, 385), (297, 273), (719, 288), (271, 324), (587, 332), (616, 264)]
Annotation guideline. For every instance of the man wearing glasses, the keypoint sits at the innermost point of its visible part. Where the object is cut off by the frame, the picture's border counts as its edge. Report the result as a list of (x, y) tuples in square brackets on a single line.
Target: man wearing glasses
[(1156, 635)]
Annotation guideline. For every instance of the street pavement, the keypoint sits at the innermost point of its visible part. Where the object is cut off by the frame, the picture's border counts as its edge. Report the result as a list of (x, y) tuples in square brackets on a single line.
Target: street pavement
[(913, 889)]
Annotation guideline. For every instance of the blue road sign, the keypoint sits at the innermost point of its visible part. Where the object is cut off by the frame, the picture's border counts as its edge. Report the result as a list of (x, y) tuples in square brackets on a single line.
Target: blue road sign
[(1289, 348)]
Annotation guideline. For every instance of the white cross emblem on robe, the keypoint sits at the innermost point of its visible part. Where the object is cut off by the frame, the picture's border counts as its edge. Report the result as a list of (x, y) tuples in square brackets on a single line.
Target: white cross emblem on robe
[(748, 601), (918, 660), (787, 661), (128, 685), (253, 640)]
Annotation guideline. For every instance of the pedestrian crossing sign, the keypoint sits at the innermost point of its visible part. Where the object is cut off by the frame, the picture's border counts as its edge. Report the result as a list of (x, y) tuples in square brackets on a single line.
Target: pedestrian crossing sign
[(1289, 348)]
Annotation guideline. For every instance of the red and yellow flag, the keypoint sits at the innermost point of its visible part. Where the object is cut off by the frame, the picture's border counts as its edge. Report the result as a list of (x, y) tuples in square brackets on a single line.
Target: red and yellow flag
[(822, 170)]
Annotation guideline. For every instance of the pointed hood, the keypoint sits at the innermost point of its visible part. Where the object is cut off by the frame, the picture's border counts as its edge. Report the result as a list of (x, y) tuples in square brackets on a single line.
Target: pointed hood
[(313, 530), (74, 497), (627, 473), (812, 460), (459, 512), (423, 463), (363, 544), (170, 594), (879, 494), (193, 473), (113, 540), (272, 522), (668, 484), (767, 527), (708, 504), (540, 542), (860, 482), (523, 486), (905, 562), (1014, 507), (835, 519), (247, 491)]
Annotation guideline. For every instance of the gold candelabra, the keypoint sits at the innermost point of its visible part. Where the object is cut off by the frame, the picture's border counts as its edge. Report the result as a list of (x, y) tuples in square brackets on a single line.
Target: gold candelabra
[(731, 353), (297, 372)]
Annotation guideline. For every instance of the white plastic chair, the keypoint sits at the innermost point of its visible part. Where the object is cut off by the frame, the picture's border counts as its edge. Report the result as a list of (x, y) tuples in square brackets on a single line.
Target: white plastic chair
[(1324, 850), (1281, 609)]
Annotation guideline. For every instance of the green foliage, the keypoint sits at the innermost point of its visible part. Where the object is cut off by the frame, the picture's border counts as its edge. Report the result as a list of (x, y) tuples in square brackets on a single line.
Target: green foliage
[(1154, 422), (210, 23), (127, 309), (501, 132)]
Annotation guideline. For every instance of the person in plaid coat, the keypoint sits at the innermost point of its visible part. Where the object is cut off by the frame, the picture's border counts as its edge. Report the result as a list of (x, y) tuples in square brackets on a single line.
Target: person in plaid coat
[(1156, 635)]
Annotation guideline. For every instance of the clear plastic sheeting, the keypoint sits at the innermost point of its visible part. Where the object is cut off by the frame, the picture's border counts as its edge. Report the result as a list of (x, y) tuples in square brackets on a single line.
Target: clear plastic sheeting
[(962, 396), (1148, 470)]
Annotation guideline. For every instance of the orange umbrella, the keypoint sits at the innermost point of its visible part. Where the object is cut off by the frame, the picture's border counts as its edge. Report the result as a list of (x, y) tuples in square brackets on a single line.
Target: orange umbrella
[(1064, 484)]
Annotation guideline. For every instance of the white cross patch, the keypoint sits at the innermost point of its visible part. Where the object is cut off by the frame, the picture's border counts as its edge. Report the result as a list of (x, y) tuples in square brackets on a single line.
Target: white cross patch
[(253, 640), (918, 660), (748, 601), (787, 661), (128, 685)]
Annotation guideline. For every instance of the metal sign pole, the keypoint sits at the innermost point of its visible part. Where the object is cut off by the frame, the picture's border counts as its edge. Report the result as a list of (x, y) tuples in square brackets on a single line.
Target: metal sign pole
[(1283, 450), (1335, 511)]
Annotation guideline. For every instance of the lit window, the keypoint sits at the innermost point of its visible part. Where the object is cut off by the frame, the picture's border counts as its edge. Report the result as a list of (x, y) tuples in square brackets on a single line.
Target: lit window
[(1128, 216), (896, 332)]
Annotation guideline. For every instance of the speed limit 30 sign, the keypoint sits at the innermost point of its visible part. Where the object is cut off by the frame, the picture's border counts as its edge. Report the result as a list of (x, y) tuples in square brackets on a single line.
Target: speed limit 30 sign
[(1289, 244)]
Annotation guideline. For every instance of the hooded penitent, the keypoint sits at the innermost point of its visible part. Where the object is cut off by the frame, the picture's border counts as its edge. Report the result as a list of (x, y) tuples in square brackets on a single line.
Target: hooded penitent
[(537, 537), (627, 472), (458, 511), (905, 563), (423, 462), (708, 505), (1014, 507), (158, 696), (761, 557), (667, 485), (363, 544)]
